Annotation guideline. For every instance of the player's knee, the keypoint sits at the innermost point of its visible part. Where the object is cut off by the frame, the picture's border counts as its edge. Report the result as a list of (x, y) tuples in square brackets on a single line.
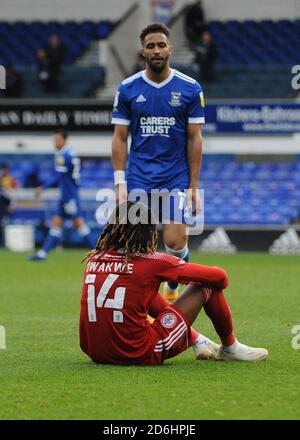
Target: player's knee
[(78, 222), (176, 243), (83, 230), (57, 222), (223, 279)]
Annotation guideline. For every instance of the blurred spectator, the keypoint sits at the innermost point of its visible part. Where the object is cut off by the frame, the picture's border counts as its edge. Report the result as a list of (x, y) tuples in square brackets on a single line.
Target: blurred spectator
[(5, 209), (194, 22), (7, 181), (44, 70), (14, 83), (140, 64), (55, 54), (50, 60), (206, 53)]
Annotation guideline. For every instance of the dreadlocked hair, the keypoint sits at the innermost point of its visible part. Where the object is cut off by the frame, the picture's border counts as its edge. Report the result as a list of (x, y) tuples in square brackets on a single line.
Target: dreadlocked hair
[(132, 228)]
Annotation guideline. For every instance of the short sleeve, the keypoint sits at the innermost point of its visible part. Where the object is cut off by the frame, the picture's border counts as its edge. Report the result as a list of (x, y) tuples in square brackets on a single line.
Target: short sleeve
[(196, 107), (169, 267), (121, 110)]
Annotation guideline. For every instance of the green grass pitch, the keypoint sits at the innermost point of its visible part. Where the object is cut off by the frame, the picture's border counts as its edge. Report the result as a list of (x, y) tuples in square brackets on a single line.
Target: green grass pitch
[(44, 375)]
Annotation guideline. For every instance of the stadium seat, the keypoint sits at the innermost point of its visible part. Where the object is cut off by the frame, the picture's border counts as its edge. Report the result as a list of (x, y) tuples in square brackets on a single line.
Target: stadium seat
[(235, 192)]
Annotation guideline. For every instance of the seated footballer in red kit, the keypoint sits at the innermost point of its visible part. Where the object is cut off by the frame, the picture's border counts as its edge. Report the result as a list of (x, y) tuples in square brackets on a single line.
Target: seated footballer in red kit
[(120, 288)]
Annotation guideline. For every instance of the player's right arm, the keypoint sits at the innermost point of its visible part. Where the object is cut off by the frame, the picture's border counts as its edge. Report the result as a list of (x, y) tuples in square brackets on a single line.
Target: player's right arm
[(121, 119), (119, 157), (177, 270), (53, 180), (212, 276)]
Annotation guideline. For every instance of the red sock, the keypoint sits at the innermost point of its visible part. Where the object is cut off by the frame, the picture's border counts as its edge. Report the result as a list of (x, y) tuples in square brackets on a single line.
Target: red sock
[(193, 336), (217, 309)]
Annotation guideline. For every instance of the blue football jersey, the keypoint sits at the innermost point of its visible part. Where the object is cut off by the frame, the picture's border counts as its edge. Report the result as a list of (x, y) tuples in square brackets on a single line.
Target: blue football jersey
[(158, 115), (67, 174)]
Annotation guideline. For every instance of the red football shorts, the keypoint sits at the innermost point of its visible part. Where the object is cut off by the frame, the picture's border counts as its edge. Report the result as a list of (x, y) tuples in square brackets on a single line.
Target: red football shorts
[(174, 334)]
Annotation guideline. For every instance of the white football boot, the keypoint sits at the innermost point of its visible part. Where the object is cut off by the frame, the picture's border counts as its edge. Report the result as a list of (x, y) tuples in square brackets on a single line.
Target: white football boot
[(205, 349), (241, 353)]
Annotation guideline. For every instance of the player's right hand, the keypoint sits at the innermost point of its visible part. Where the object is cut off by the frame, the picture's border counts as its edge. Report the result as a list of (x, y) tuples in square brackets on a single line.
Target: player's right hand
[(193, 200), (121, 194)]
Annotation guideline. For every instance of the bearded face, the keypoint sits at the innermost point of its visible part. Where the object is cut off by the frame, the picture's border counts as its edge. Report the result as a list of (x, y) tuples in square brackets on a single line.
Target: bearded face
[(156, 51)]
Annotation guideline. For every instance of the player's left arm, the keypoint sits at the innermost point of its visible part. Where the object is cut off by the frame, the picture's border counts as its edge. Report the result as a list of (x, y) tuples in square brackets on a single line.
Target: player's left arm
[(194, 151), (195, 122), (51, 181), (73, 165)]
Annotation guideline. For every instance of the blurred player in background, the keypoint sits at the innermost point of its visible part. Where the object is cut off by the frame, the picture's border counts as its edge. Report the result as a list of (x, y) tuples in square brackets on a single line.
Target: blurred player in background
[(165, 111), (67, 174), (7, 181), (5, 210), (120, 288)]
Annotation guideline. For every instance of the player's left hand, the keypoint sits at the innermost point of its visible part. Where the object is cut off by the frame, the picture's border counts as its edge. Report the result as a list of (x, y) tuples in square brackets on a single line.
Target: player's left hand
[(121, 194), (193, 200), (37, 191)]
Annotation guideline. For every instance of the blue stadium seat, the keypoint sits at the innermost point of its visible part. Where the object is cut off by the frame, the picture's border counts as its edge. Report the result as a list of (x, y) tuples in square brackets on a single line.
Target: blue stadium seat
[(245, 193), (20, 36)]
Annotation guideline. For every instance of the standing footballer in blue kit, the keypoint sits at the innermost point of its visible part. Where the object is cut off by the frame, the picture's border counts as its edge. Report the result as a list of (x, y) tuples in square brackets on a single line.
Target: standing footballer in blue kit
[(163, 110), (67, 174)]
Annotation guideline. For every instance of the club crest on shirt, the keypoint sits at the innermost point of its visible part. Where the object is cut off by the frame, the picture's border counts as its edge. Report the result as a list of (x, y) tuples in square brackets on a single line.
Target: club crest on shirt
[(202, 102), (60, 160), (168, 320), (175, 99)]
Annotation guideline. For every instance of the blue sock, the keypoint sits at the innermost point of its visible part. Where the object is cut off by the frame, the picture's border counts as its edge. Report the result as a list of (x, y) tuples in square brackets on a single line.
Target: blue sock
[(89, 241), (52, 239), (181, 253)]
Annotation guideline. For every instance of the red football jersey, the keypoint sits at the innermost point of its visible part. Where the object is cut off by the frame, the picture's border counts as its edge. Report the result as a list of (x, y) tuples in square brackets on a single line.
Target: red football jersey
[(114, 303)]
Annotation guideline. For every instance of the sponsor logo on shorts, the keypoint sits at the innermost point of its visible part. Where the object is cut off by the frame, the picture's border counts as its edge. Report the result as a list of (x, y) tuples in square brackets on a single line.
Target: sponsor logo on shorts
[(169, 320)]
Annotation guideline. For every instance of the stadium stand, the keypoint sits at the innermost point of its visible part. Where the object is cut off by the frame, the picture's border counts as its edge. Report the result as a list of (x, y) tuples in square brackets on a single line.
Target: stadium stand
[(245, 82), (254, 61), (236, 192), (71, 83), (255, 57), (250, 42), (20, 41)]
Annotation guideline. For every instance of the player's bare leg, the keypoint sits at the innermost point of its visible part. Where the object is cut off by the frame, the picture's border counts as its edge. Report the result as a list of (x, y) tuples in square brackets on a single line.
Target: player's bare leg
[(204, 348), (175, 237), (84, 231), (51, 240), (215, 305)]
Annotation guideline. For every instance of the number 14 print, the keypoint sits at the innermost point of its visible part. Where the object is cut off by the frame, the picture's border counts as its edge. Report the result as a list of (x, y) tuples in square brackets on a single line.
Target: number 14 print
[(114, 303)]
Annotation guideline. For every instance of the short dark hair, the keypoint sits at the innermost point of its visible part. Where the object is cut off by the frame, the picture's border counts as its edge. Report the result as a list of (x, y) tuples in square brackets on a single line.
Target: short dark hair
[(62, 132), (153, 29)]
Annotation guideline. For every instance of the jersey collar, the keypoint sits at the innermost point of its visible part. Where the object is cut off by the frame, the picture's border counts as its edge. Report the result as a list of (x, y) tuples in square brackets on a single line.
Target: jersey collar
[(62, 150), (158, 85)]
